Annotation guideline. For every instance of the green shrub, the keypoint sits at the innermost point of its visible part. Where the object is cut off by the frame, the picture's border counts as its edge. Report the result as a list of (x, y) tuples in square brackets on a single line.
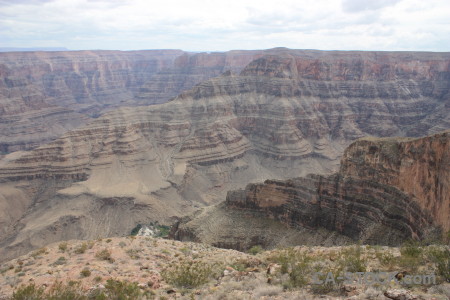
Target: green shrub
[(121, 290), (60, 291), (62, 246), (412, 249), (29, 292), (133, 253), (255, 250), (85, 272), (188, 273), (294, 263), (81, 248), (114, 290), (135, 230), (39, 252), (441, 259), (352, 260), (60, 261), (104, 254)]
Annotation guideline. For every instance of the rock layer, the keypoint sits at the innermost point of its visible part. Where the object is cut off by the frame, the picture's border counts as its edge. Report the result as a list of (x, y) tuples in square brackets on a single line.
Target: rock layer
[(386, 191), (45, 94), (285, 115)]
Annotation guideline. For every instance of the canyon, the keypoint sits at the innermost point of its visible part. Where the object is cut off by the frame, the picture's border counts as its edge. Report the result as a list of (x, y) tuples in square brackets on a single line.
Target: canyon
[(45, 94), (275, 114), (387, 191)]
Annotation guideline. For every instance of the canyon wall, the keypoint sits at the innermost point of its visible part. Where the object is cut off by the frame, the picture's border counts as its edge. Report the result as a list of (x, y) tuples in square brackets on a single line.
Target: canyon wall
[(286, 114), (45, 94), (387, 191)]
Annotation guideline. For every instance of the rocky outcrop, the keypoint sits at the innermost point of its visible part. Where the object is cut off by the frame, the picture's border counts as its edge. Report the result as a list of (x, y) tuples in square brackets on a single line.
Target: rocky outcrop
[(271, 121), (386, 191), (419, 168)]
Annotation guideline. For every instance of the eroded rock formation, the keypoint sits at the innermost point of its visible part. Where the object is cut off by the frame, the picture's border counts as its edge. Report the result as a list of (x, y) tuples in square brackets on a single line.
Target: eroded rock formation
[(284, 116), (387, 190), (45, 94)]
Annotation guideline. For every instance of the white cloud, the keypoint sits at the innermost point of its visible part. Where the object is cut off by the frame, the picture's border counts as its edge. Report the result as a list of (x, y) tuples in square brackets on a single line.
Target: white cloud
[(223, 25)]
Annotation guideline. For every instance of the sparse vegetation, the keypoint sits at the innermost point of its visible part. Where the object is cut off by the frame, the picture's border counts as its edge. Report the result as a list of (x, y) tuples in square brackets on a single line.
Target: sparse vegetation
[(352, 259), (85, 272), (133, 253), (29, 292), (62, 247), (255, 250), (39, 252), (294, 263), (114, 290), (81, 248), (60, 261), (104, 254), (441, 258), (188, 273)]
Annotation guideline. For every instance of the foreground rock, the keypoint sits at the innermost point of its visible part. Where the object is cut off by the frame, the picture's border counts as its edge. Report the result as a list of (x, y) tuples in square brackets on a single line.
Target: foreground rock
[(169, 269)]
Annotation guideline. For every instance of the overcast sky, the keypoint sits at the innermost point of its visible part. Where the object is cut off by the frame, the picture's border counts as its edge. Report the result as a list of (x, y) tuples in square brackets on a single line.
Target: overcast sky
[(210, 25)]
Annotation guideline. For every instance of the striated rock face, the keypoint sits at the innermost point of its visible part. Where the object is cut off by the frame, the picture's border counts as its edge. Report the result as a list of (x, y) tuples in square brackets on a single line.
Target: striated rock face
[(274, 120), (190, 69), (386, 191), (419, 168), (45, 94)]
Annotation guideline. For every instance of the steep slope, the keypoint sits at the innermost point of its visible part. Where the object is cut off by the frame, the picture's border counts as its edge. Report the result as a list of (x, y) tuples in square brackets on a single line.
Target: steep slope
[(45, 94), (284, 116), (190, 69), (387, 190)]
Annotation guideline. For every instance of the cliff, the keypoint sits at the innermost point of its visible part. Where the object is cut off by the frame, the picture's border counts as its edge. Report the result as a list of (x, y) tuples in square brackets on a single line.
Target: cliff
[(273, 120), (45, 94), (387, 191)]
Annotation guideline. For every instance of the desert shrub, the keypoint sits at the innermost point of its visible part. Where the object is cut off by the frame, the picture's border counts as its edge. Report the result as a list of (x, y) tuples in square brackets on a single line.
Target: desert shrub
[(120, 290), (60, 261), (60, 291), (255, 250), (352, 259), (85, 272), (109, 240), (104, 254), (39, 252), (441, 258), (386, 259), (122, 244), (80, 249), (411, 256), (133, 253), (28, 292), (294, 263), (411, 248), (62, 246), (188, 273)]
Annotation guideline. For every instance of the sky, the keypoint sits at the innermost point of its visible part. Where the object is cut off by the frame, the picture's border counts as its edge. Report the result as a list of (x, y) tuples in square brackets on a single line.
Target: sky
[(210, 25)]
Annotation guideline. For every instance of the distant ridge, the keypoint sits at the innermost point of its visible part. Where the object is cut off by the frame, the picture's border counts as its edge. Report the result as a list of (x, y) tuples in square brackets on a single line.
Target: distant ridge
[(14, 49)]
